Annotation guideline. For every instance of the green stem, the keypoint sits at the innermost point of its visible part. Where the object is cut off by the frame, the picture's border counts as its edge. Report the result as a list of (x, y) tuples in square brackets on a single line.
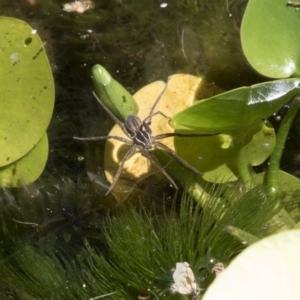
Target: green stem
[(244, 170), (271, 178)]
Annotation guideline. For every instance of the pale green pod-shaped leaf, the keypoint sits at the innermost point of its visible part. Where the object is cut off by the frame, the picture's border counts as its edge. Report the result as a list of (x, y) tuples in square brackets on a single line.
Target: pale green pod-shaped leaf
[(26, 89), (113, 95), (269, 269)]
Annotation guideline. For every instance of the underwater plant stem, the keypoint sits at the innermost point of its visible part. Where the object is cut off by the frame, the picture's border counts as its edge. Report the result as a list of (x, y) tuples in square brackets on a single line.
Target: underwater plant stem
[(197, 192), (271, 177), (245, 171)]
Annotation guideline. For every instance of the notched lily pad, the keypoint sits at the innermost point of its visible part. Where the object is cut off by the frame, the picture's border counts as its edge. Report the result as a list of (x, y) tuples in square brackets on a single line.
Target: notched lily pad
[(26, 169), (27, 90), (270, 38)]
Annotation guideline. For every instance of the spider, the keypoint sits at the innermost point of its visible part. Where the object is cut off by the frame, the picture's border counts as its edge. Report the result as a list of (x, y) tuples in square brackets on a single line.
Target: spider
[(140, 138)]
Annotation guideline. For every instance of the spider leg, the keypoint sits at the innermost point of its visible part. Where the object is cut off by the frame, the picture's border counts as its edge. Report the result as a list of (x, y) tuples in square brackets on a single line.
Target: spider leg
[(176, 156), (170, 134), (146, 153), (112, 115), (97, 138), (147, 121), (149, 118), (126, 156)]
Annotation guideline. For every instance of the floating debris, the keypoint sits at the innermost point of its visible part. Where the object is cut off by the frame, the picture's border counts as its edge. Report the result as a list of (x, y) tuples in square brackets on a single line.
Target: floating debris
[(184, 280), (79, 6), (218, 268)]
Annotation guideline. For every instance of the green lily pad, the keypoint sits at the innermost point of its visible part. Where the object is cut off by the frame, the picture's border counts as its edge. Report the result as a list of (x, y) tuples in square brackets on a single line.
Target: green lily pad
[(27, 90), (270, 38), (26, 169), (289, 191)]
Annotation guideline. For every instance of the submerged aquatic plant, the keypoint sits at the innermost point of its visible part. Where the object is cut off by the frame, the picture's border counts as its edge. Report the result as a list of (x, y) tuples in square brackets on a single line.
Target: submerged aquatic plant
[(141, 249)]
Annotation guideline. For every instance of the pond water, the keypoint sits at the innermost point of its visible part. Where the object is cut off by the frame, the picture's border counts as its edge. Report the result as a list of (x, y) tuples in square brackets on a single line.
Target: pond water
[(138, 42)]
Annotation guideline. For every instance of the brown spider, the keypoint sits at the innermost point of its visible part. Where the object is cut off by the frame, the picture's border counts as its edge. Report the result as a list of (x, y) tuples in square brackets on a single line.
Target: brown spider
[(140, 138)]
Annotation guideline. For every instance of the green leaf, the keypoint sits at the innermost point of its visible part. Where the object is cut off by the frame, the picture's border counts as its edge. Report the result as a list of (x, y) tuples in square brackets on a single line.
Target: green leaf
[(224, 157), (270, 38), (268, 269), (27, 90), (113, 94), (288, 188), (237, 109), (245, 141), (28, 168)]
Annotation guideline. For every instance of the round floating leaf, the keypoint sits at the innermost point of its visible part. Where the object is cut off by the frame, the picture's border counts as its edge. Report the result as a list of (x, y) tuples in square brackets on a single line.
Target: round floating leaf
[(288, 189), (270, 38), (27, 90), (268, 269), (26, 169)]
